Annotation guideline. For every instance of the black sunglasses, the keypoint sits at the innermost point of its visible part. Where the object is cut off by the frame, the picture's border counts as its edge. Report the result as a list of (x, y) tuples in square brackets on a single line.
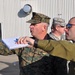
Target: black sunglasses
[(69, 25)]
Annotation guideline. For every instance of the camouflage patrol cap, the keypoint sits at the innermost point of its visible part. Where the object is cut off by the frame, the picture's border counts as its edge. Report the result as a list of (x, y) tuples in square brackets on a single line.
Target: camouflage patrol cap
[(38, 18), (59, 21)]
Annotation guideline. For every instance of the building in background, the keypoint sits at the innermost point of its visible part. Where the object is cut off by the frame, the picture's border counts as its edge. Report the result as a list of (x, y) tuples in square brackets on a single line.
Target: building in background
[(13, 20)]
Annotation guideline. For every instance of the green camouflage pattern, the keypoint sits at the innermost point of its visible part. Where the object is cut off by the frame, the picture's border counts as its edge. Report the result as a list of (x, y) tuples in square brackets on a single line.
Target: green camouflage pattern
[(38, 18), (26, 55)]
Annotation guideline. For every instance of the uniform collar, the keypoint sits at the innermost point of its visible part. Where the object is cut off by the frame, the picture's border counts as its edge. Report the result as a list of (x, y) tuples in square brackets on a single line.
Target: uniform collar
[(46, 37)]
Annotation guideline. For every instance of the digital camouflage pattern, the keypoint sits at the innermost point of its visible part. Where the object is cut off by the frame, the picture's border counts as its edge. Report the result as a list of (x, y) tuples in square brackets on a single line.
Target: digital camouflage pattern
[(59, 21), (26, 56), (30, 58), (38, 18)]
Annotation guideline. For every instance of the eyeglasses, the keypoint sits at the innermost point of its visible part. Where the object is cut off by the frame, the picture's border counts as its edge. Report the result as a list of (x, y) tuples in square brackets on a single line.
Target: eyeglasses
[(69, 25), (61, 26)]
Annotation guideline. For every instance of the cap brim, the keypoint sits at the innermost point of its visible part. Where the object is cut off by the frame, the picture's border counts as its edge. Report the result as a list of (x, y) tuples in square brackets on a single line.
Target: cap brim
[(63, 24), (33, 21)]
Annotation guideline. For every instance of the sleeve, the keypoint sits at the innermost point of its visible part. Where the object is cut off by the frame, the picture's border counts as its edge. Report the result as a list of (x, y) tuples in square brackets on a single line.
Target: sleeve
[(46, 45), (61, 49), (5, 51)]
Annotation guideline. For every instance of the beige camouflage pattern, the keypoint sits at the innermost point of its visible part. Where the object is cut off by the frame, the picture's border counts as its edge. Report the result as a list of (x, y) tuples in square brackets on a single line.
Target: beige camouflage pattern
[(59, 21)]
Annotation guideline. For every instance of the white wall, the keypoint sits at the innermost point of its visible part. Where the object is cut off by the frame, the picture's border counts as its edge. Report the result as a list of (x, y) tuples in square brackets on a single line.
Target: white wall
[(14, 21)]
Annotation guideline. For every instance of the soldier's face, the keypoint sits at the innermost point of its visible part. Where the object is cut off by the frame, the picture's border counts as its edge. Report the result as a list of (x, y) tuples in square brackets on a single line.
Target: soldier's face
[(36, 29), (70, 30), (60, 29)]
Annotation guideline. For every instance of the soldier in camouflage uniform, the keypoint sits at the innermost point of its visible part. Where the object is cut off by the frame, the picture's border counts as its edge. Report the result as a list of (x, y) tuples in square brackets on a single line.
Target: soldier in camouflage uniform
[(58, 65), (31, 60), (53, 47), (63, 49), (57, 30)]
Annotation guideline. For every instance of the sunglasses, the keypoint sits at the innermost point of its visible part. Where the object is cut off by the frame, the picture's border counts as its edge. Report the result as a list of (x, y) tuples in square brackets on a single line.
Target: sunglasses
[(69, 25)]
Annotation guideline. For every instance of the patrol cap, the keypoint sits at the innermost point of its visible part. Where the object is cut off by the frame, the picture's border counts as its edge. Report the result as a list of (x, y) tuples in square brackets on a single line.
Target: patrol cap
[(38, 18), (59, 21)]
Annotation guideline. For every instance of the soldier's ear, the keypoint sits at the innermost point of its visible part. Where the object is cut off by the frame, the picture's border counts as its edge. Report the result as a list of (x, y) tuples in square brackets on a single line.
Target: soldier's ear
[(56, 27)]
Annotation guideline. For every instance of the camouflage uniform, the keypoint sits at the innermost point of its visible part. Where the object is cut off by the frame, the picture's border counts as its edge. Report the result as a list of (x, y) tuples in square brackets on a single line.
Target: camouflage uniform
[(60, 64), (26, 56), (29, 58)]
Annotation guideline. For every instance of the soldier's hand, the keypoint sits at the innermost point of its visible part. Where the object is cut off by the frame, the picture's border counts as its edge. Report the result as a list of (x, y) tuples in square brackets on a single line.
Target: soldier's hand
[(26, 40)]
